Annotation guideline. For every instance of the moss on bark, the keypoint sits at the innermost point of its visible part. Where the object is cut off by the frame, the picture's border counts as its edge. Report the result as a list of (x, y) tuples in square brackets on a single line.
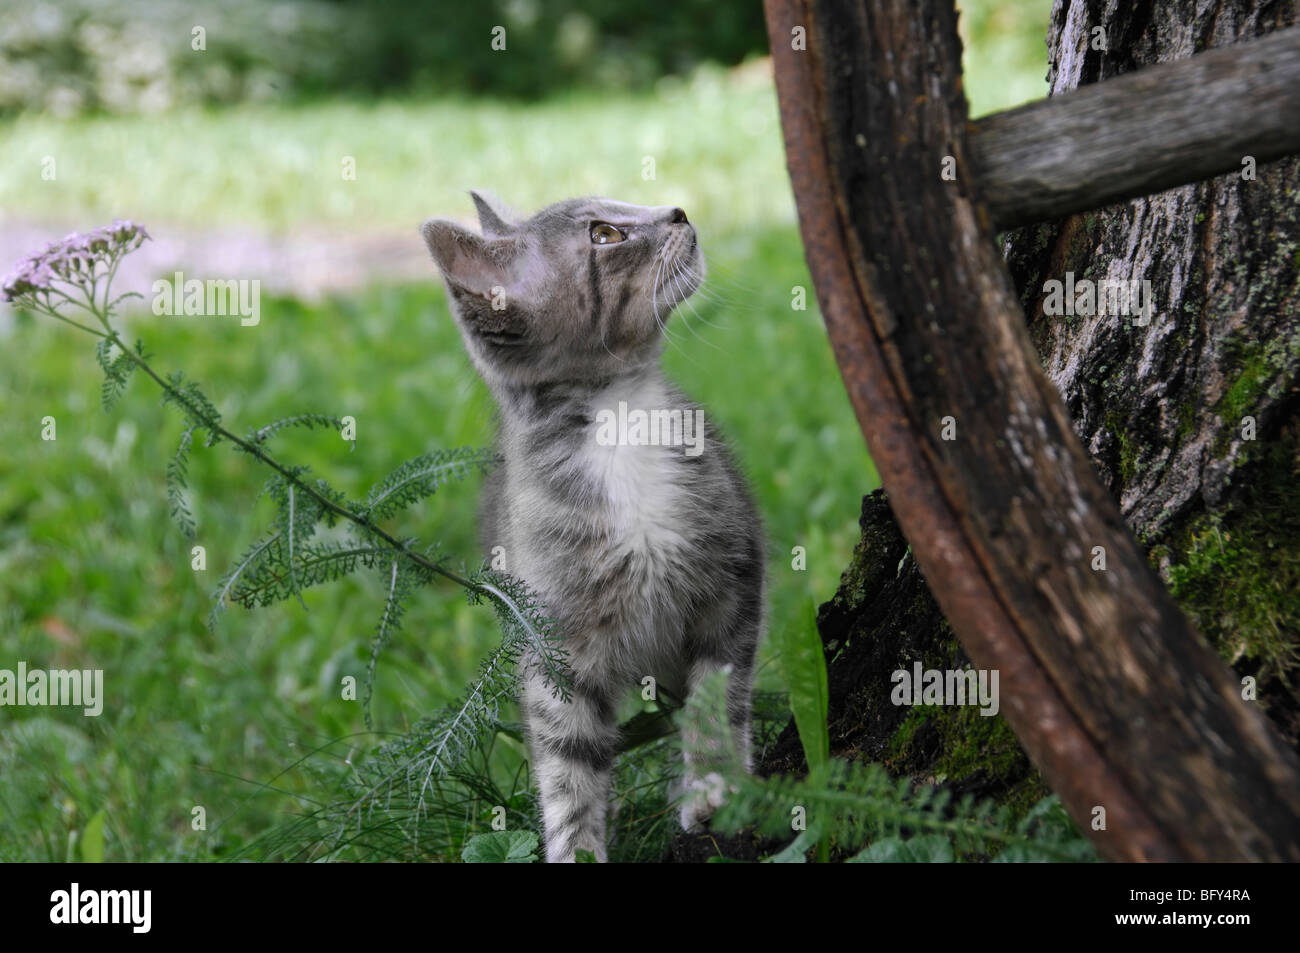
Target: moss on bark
[(883, 619)]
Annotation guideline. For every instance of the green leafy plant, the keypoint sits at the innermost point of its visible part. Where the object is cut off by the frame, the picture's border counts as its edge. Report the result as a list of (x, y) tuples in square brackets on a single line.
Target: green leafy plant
[(92, 839), (869, 816), (71, 282), (804, 668), (501, 847), (427, 793)]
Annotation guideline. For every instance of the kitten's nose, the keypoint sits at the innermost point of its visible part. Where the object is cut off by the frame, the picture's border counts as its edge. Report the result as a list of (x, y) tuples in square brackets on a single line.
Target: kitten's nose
[(678, 217)]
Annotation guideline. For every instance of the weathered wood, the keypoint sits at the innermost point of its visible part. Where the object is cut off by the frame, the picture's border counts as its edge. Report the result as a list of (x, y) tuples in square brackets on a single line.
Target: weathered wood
[(1106, 683), (1143, 132)]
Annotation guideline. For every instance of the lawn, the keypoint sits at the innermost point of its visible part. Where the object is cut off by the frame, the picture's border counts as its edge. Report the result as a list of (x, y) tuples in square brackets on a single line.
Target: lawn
[(94, 574)]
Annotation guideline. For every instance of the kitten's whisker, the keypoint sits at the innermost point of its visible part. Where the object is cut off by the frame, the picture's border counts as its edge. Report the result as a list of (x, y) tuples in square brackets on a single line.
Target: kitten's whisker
[(723, 282), (705, 293), (710, 294), (654, 290), (732, 275), (663, 272), (722, 299), (654, 308), (690, 274), (681, 290)]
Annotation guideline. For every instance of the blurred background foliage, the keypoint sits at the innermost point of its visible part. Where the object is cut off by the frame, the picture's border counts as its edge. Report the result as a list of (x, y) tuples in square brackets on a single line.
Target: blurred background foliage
[(240, 146), (64, 57)]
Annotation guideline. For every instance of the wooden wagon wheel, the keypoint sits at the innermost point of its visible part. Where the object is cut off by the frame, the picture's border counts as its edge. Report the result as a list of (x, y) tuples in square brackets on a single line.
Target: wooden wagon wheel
[(1107, 684)]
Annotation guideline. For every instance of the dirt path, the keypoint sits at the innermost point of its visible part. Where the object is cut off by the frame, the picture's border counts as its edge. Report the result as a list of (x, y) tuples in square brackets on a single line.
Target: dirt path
[(306, 264)]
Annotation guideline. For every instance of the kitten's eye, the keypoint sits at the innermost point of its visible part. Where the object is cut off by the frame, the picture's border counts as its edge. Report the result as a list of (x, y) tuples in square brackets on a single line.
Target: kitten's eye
[(602, 233)]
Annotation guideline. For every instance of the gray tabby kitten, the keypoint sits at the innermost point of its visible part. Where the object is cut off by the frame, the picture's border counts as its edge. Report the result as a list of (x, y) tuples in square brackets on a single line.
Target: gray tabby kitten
[(648, 552)]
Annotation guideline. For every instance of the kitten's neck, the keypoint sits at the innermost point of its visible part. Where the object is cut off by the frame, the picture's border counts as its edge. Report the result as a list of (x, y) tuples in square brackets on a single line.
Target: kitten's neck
[(562, 412)]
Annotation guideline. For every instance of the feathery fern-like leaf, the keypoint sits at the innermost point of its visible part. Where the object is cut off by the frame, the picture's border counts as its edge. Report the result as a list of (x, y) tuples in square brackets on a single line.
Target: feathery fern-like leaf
[(421, 476), (412, 768), (308, 421), (526, 625), (856, 803), (193, 404), (399, 587), (177, 472), (297, 514), (248, 561), (117, 373), (270, 580)]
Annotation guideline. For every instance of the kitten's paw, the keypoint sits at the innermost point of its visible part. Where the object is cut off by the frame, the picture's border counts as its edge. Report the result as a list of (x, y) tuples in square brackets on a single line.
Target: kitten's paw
[(694, 819), (703, 796)]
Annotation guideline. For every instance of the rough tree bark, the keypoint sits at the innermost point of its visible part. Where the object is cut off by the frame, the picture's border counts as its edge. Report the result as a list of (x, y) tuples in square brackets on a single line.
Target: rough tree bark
[(1160, 409), (1163, 409)]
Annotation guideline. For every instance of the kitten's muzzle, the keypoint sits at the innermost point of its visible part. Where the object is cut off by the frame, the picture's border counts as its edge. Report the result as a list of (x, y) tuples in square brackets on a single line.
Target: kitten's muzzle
[(678, 217)]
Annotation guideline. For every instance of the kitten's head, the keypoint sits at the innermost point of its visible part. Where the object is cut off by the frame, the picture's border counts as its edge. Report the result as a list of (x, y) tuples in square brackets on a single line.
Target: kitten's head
[(581, 290)]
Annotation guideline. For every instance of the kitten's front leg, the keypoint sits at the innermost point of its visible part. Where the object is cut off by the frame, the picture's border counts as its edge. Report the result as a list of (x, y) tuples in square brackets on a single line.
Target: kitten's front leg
[(699, 797), (573, 746)]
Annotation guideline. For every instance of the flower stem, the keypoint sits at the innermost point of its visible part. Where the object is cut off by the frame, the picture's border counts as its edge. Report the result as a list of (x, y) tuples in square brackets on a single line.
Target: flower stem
[(365, 522)]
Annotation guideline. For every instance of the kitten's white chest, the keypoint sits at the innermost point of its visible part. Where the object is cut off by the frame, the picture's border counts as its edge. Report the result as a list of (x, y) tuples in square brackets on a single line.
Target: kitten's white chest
[(641, 483), (610, 552), (643, 501)]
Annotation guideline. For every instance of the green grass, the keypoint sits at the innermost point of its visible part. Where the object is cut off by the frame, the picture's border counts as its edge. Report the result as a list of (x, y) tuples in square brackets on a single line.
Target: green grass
[(715, 142), (93, 573), (1004, 61)]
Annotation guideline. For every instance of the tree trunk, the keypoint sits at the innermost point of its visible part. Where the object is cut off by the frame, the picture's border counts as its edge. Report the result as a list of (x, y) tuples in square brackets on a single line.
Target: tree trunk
[(1164, 408), (1190, 420)]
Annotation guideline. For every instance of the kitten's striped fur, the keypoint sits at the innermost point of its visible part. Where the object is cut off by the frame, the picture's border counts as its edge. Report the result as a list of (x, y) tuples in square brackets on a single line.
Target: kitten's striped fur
[(649, 558)]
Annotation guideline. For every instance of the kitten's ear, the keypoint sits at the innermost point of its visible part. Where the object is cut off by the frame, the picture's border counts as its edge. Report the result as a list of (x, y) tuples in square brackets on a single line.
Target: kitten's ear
[(474, 263), (492, 223)]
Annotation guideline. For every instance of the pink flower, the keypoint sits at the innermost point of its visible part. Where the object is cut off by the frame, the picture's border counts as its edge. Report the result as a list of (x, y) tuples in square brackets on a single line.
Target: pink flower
[(75, 256)]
